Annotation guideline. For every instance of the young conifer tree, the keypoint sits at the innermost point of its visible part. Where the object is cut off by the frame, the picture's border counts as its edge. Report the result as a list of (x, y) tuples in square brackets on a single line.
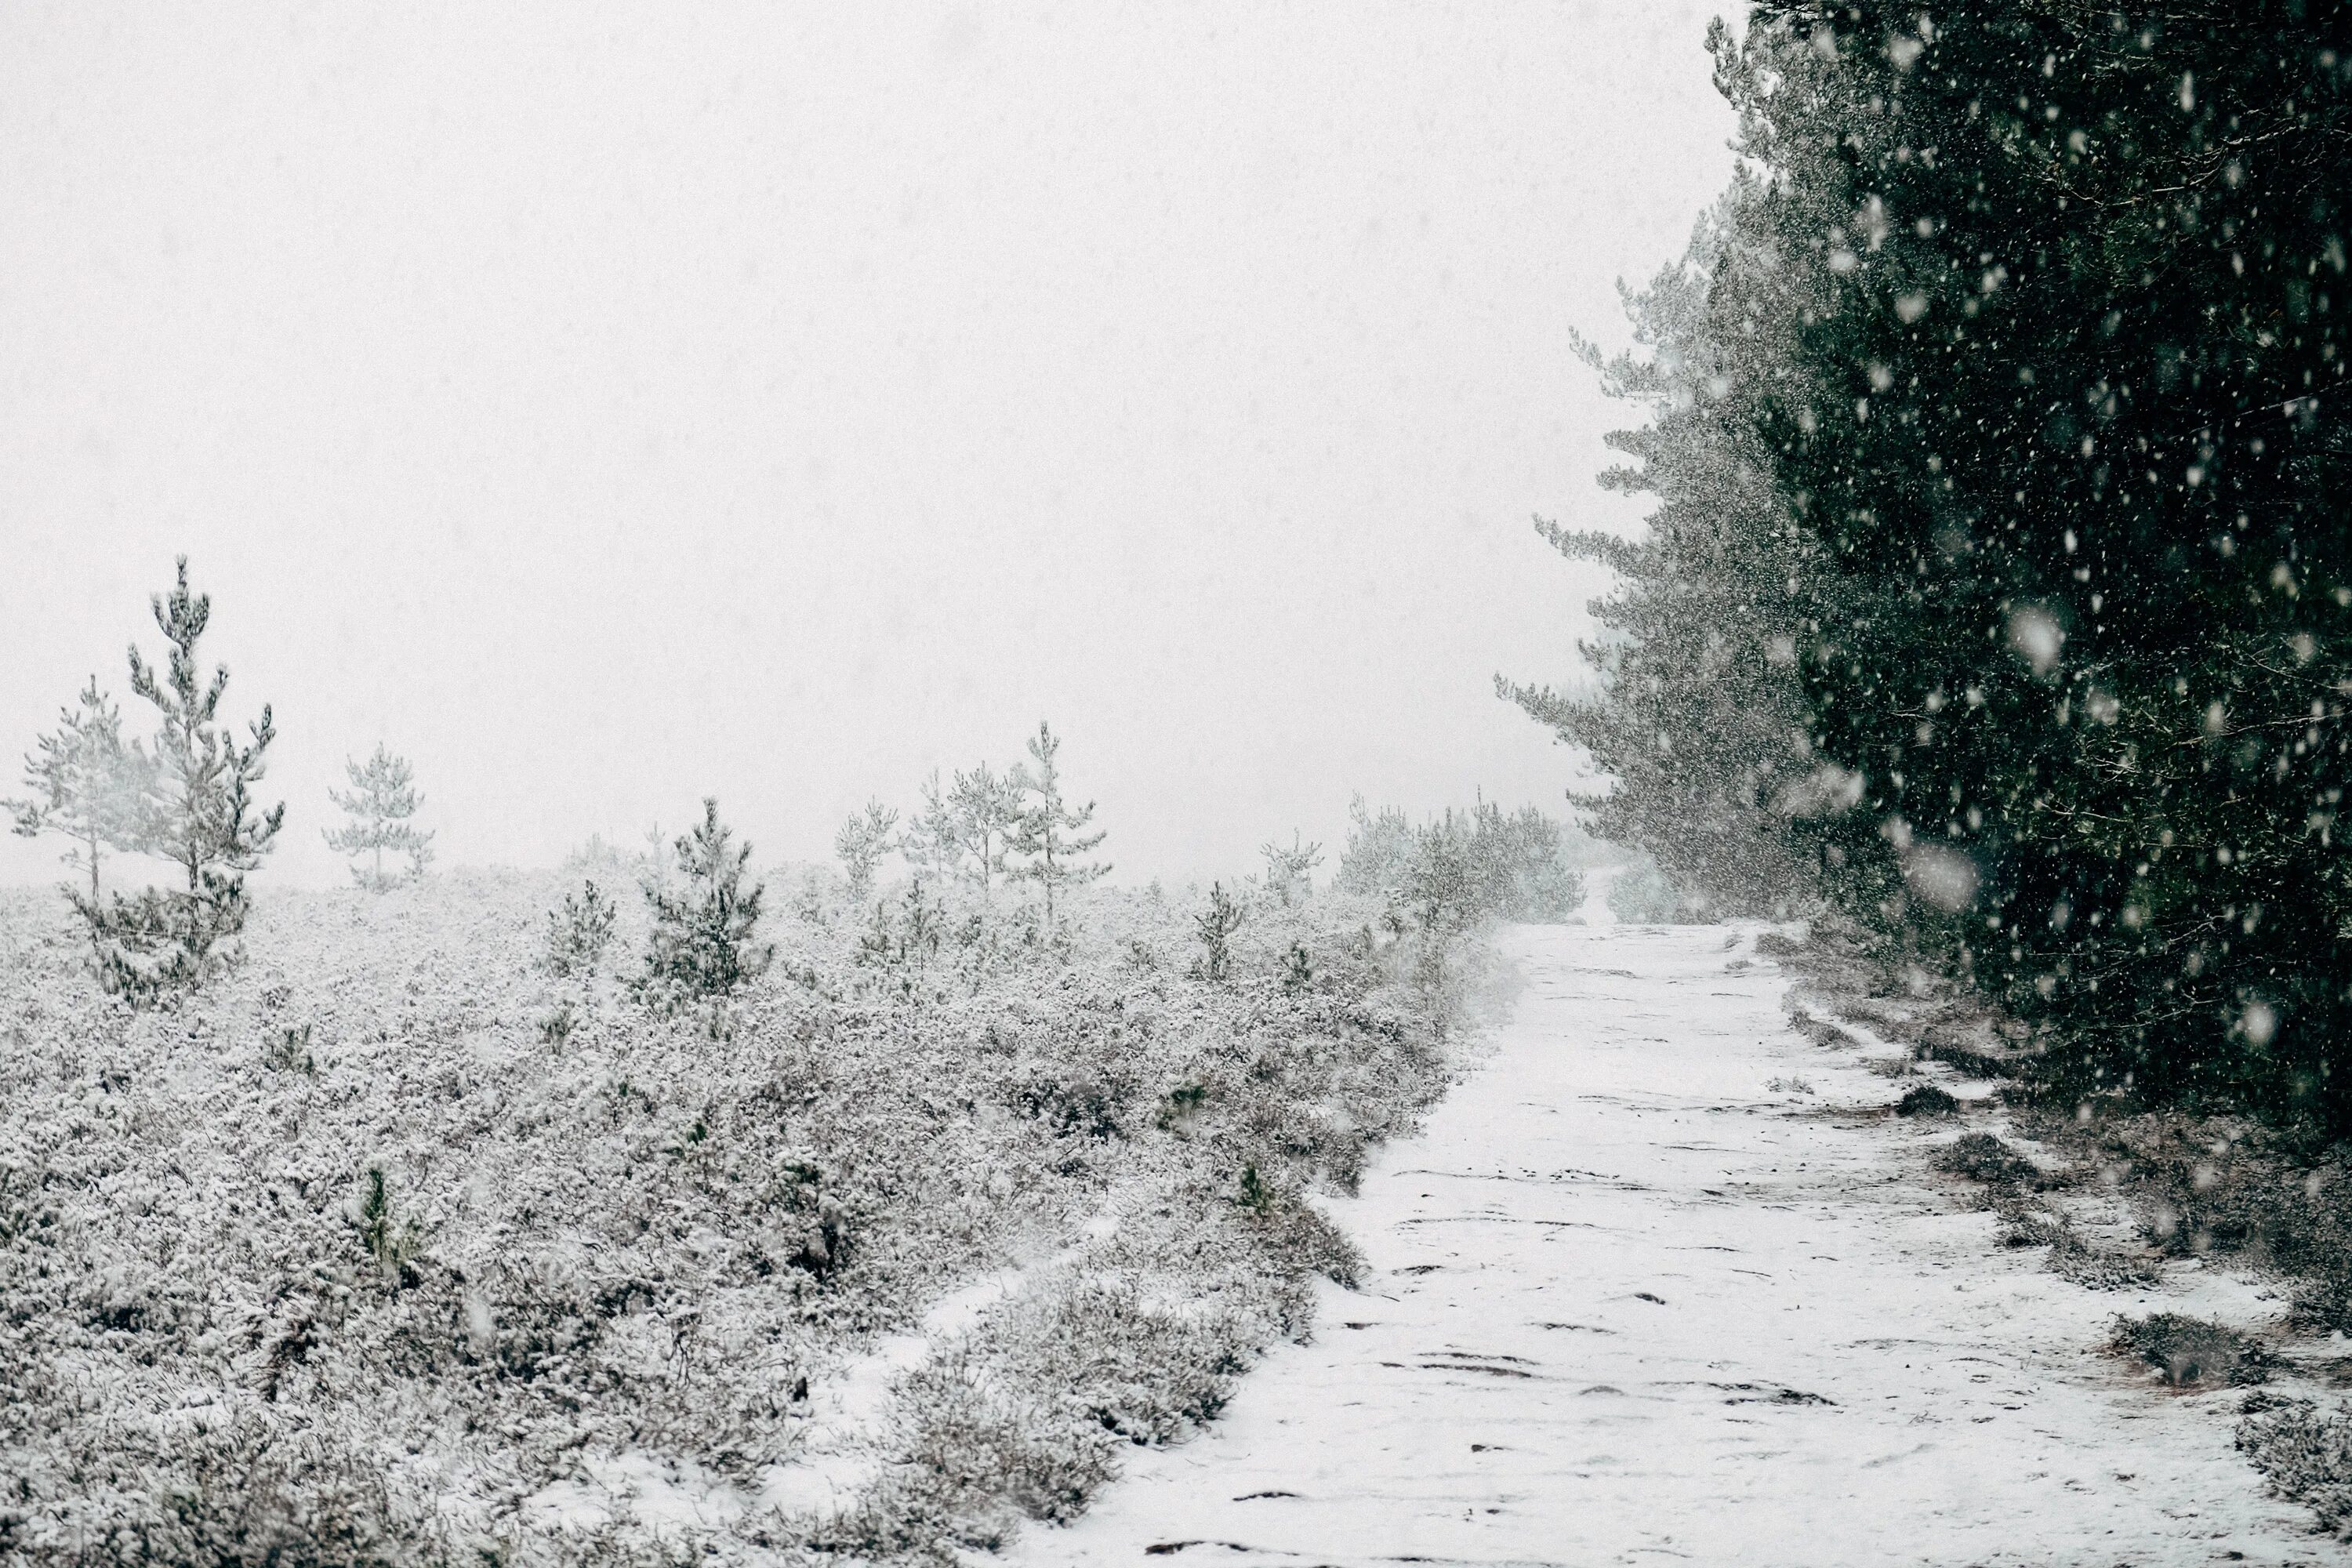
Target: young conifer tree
[(1291, 871), (205, 819), (863, 840), (987, 808), (706, 925), (88, 785), (1048, 830), (933, 843), (381, 804)]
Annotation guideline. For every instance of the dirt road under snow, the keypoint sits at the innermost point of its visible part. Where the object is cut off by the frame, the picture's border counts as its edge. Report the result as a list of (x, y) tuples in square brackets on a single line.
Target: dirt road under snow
[(1635, 1297)]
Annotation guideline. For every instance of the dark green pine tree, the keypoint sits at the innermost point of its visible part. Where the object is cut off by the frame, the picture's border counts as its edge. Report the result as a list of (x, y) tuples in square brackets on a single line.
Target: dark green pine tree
[(205, 819), (704, 938), (2061, 415)]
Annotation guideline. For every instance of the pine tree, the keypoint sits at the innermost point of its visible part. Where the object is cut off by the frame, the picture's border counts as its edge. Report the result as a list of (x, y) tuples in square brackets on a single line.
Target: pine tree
[(1697, 713), (1048, 830), (382, 801), (987, 810), (933, 843), (705, 932), (204, 820), (1292, 870), (863, 842), (577, 933), (1216, 926), (88, 785), (2034, 332)]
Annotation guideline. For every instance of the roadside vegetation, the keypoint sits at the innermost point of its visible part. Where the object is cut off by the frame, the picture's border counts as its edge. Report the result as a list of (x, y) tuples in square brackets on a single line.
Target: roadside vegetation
[(1991, 614), (561, 1217)]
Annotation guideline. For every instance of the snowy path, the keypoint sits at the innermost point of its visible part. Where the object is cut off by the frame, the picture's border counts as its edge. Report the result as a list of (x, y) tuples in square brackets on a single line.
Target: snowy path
[(1629, 1304)]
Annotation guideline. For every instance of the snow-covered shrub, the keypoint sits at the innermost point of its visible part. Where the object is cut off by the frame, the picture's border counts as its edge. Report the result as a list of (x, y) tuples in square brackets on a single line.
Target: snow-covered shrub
[(2305, 1454), (2229, 1184), (1982, 1157), (2192, 1350), (647, 1249)]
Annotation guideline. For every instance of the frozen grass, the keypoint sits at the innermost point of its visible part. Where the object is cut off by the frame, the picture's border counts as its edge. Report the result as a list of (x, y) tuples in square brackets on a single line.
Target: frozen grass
[(395, 1247)]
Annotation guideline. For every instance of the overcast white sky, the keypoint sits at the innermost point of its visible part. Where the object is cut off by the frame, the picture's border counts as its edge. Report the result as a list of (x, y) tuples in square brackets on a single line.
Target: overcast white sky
[(607, 405)]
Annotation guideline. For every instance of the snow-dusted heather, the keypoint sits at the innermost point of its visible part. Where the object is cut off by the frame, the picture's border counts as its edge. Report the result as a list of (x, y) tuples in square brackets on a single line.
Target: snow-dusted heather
[(394, 1247)]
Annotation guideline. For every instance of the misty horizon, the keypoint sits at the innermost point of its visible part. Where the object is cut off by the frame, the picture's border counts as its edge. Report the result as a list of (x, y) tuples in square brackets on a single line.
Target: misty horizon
[(603, 411)]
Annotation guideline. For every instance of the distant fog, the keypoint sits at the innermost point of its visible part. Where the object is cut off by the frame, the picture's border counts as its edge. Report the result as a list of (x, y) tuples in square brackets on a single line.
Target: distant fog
[(608, 406)]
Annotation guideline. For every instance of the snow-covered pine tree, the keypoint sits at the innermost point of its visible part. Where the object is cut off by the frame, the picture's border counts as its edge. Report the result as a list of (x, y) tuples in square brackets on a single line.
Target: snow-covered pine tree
[(1291, 871), (2034, 340), (1216, 926), (381, 802), (706, 925), (88, 785), (1696, 711), (1048, 830), (577, 933), (204, 820), (933, 843), (863, 840), (1380, 847), (987, 808)]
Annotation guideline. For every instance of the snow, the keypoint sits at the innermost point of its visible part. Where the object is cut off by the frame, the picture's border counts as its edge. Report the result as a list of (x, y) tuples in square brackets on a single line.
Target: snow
[(1628, 1303)]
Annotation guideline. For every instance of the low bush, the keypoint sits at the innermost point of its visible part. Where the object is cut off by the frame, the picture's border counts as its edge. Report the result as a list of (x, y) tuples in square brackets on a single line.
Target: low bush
[(2187, 1350), (1926, 1099), (2272, 1196), (2304, 1454), (1982, 1157), (415, 1292)]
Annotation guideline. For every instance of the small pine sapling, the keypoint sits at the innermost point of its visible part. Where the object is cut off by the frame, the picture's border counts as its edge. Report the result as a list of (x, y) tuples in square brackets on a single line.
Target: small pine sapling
[(392, 1242), (287, 1049), (1216, 926), (704, 940), (863, 842), (933, 844), (987, 807), (88, 785), (1292, 870), (1297, 970), (903, 941), (578, 933), (1049, 831), (203, 820), (381, 804)]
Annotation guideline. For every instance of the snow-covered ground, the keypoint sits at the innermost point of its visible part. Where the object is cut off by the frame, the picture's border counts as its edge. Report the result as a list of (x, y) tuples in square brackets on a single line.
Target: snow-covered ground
[(1663, 1281)]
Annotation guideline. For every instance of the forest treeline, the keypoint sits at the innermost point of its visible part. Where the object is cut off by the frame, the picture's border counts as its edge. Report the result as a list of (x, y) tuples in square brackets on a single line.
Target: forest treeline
[(1996, 594)]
